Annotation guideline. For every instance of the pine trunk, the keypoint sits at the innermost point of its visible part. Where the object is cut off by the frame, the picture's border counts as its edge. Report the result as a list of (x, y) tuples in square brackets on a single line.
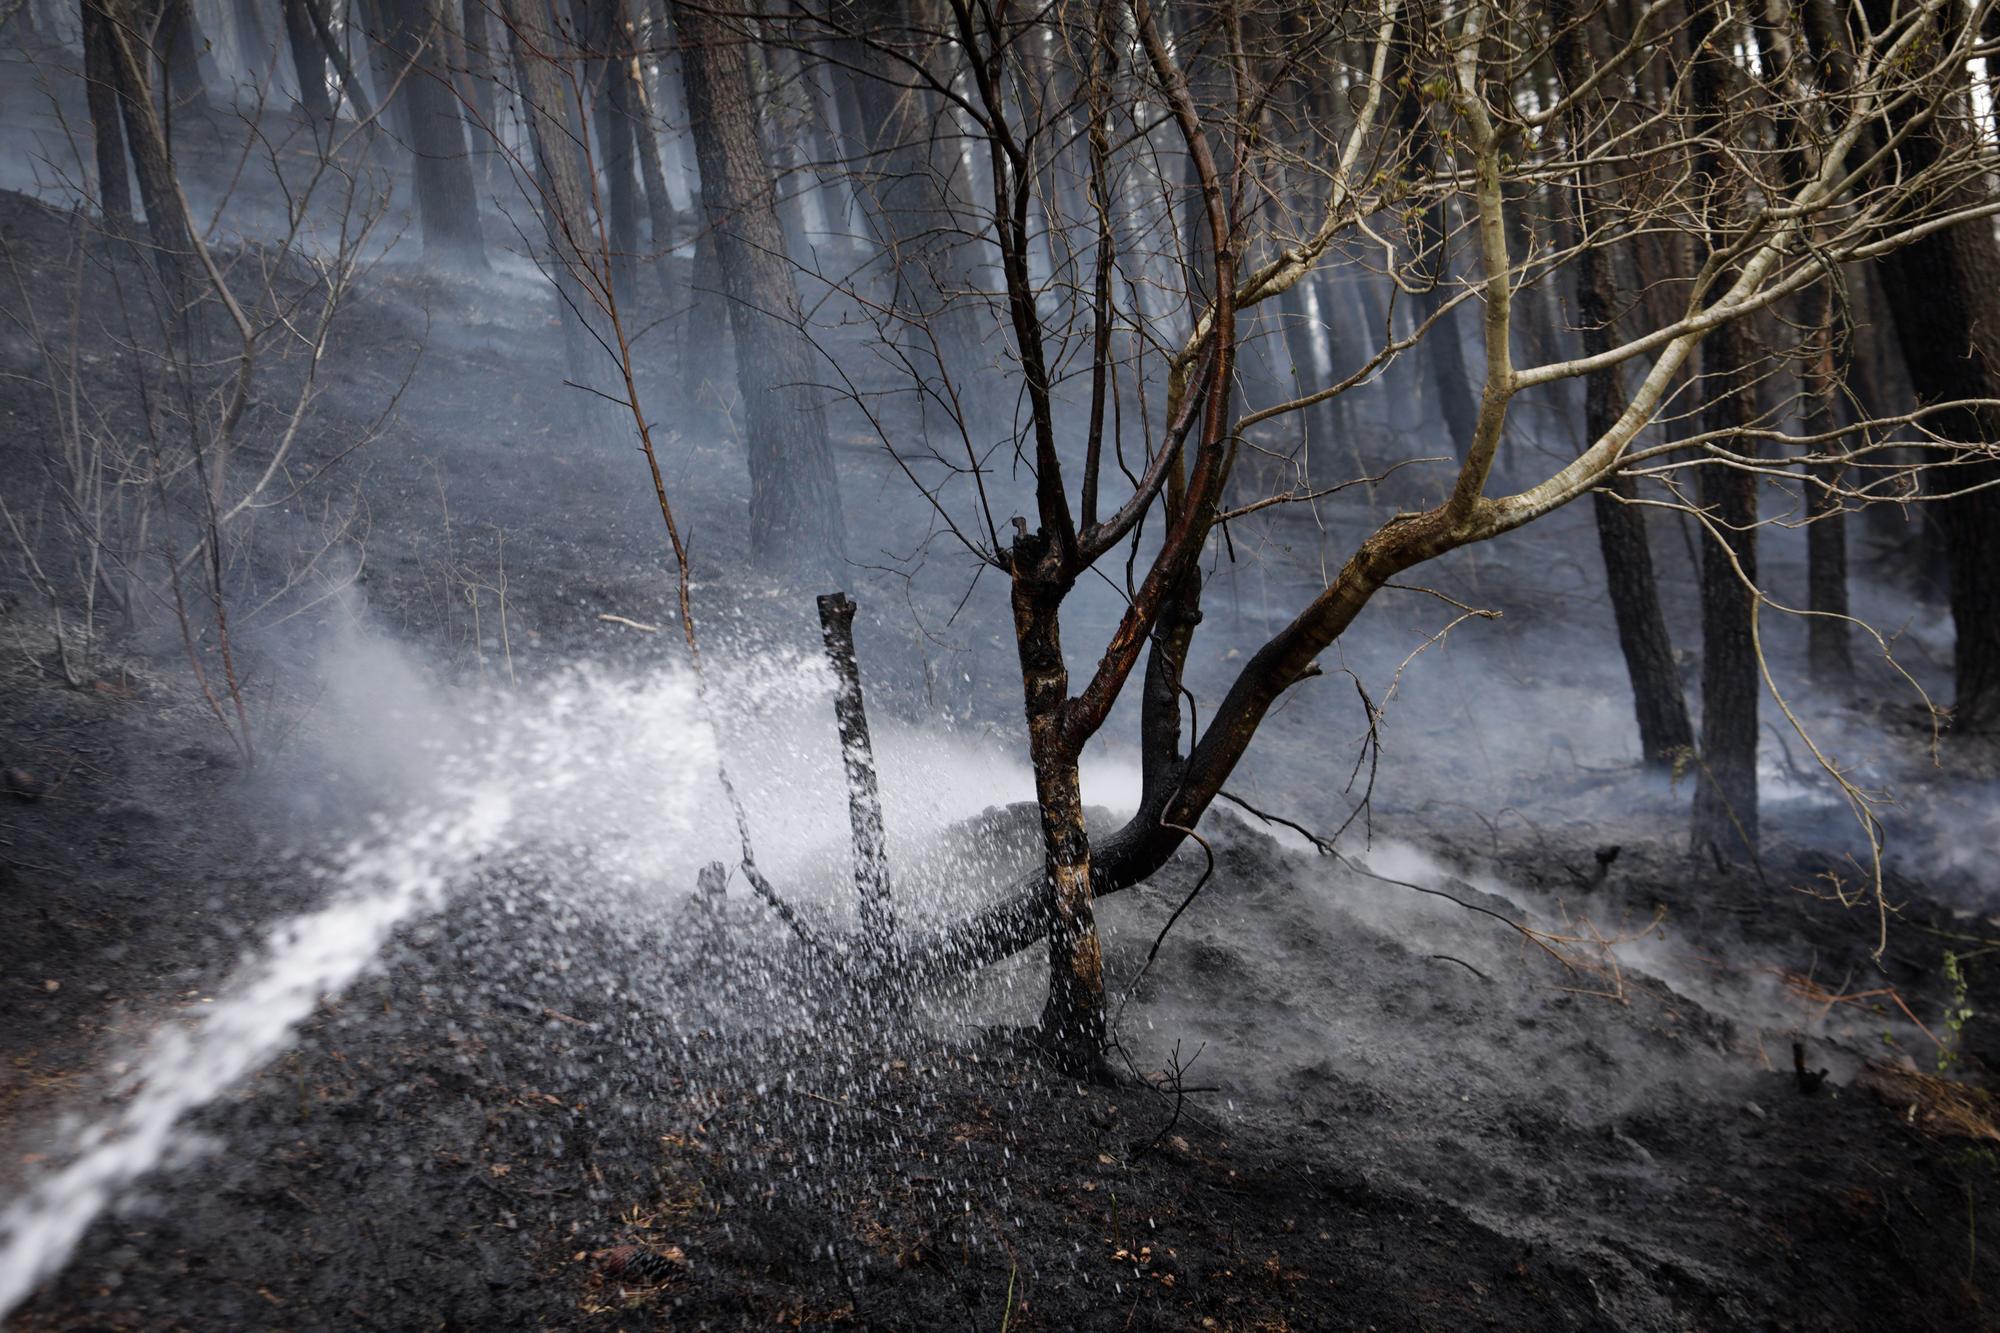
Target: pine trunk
[(1945, 292), (308, 62), (795, 516), (447, 201), (152, 162), (100, 72), (1725, 801), (1666, 737)]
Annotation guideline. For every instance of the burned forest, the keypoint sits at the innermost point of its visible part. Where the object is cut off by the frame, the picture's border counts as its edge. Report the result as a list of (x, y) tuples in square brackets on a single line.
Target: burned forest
[(919, 664)]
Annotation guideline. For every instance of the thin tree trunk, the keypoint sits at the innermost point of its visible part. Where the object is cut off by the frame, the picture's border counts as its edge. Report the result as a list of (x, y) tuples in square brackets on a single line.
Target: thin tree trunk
[(183, 46), (383, 67), (1944, 289), (1073, 1015), (1666, 737), (572, 258), (100, 72), (864, 800), (1725, 800), (350, 81), (795, 516), (613, 110), (1829, 648), (638, 116), (447, 202), (1443, 349), (152, 162), (915, 183), (308, 61)]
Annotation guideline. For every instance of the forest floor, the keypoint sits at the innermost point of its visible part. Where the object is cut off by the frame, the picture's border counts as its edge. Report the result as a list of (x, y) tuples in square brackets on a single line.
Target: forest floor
[(1396, 1111)]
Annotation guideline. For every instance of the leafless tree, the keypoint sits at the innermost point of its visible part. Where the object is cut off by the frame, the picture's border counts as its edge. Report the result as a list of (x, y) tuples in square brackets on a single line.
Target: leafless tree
[(1145, 214)]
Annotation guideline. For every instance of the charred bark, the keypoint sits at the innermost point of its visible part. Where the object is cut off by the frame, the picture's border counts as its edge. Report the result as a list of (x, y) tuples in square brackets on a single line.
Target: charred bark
[(1666, 737), (1725, 798), (864, 800), (1073, 1015), (343, 68), (308, 62), (1829, 647), (183, 45), (1443, 349), (571, 256), (100, 72), (152, 160), (1944, 290), (795, 517), (447, 202), (629, 100), (913, 185)]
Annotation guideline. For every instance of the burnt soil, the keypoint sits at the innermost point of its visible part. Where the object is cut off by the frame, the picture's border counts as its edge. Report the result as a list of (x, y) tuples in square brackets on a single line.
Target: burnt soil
[(1402, 1115)]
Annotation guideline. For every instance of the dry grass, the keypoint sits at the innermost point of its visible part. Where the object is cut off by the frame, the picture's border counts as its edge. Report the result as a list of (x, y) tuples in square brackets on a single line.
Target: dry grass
[(1937, 1106)]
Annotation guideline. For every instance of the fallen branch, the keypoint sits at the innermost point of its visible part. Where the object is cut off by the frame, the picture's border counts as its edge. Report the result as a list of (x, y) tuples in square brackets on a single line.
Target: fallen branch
[(639, 625)]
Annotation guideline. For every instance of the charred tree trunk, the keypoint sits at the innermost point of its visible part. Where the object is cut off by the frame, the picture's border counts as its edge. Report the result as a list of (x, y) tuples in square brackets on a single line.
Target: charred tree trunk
[(308, 62), (447, 201), (1666, 737), (915, 184), (183, 43), (343, 68), (254, 48), (100, 72), (795, 517), (573, 257), (616, 122), (1725, 799), (864, 800), (475, 35), (629, 101), (1073, 1015), (1944, 290), (152, 161), (1443, 349), (1829, 647)]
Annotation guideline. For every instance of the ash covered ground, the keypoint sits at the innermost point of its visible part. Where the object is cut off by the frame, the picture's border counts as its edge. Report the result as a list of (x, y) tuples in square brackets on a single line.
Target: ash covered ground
[(1474, 1071)]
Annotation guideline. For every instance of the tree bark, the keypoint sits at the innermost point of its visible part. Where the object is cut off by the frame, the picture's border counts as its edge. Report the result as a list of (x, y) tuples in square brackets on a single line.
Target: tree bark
[(1829, 647), (795, 517), (864, 800), (630, 101), (572, 257), (357, 96), (1073, 1015), (616, 125), (1725, 798), (1666, 737), (447, 202), (914, 185), (1443, 349), (309, 62), (100, 72), (152, 161), (183, 45), (1944, 290)]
